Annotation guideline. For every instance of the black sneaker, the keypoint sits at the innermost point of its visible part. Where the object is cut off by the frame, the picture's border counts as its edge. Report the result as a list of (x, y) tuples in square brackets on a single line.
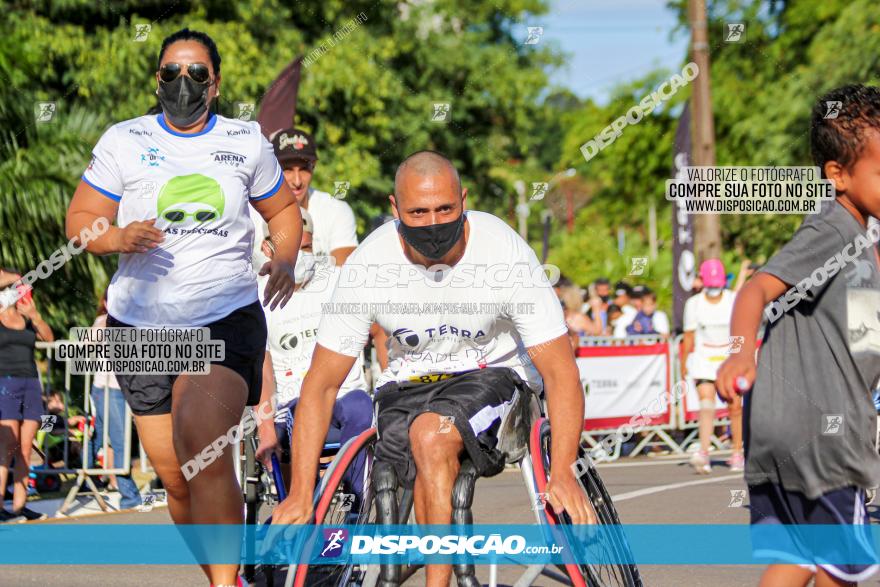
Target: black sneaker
[(30, 515), (9, 517)]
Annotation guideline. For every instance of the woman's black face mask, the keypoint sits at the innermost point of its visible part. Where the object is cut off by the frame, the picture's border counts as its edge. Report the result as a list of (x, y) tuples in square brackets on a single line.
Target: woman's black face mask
[(183, 100), (435, 240)]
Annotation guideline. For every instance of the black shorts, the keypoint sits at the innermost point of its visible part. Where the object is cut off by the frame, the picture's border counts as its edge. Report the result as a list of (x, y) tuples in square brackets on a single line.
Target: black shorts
[(785, 528), (244, 334), (477, 402)]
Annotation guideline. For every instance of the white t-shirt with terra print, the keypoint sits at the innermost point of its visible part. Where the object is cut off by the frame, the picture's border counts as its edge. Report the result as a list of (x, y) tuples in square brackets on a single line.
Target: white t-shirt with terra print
[(197, 186), (293, 331), (483, 312), (711, 326)]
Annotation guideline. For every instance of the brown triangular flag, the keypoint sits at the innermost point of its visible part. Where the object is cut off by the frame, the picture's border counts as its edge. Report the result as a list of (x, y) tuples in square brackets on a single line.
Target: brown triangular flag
[(278, 107)]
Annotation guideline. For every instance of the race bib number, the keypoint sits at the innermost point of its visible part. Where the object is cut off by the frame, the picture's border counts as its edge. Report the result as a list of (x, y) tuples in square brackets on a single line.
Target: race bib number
[(431, 377)]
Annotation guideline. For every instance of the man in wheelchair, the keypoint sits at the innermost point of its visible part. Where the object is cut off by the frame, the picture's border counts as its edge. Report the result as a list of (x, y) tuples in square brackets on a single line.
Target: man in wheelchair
[(291, 342), (470, 316)]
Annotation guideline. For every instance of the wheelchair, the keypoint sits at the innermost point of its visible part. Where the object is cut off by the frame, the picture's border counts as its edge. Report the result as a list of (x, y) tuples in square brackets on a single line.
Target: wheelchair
[(524, 439), (261, 490)]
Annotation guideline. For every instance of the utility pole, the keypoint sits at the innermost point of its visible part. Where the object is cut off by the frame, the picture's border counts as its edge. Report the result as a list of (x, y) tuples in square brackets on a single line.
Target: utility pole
[(707, 227)]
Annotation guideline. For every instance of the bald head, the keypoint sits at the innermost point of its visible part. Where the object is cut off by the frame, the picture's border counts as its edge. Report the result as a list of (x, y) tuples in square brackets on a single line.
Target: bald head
[(426, 169)]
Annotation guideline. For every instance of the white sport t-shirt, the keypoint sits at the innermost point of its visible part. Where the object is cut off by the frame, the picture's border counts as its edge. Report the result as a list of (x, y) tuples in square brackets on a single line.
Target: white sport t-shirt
[(711, 325), (335, 226), (483, 312), (197, 186), (293, 331)]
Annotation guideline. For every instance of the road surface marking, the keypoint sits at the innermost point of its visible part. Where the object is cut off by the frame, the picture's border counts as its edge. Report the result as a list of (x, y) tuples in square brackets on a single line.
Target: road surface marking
[(659, 488)]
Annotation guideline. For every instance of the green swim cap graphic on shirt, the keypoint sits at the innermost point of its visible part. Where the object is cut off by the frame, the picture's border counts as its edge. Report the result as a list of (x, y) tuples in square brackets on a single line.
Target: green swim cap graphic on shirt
[(191, 196)]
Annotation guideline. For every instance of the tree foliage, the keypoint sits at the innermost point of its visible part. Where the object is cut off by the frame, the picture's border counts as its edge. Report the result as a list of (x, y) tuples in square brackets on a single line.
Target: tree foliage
[(369, 100)]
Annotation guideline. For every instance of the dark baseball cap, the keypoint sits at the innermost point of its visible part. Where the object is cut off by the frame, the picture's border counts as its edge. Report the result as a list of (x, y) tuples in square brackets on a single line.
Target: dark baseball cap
[(292, 144)]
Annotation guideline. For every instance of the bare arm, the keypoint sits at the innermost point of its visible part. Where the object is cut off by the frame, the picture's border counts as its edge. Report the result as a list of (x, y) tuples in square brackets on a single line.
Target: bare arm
[(687, 347), (265, 411), (282, 214), (380, 343), (750, 302), (88, 205), (341, 254), (29, 309), (565, 405)]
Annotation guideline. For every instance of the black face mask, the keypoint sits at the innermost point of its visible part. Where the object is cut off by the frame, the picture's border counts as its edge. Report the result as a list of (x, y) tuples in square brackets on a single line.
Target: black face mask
[(183, 100), (435, 240)]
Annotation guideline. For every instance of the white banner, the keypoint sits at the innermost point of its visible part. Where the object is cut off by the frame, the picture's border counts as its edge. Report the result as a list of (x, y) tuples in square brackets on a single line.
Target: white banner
[(623, 386)]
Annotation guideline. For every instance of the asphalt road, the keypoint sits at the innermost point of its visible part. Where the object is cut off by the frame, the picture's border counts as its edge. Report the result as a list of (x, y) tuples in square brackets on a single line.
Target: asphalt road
[(645, 491)]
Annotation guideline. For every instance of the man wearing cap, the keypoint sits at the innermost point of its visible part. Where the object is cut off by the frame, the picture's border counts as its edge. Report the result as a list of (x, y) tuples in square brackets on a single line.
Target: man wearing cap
[(335, 234), (706, 345), (292, 332)]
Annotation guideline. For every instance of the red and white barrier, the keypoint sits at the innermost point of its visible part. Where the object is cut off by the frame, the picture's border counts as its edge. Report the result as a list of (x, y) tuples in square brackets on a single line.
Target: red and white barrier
[(628, 385), (623, 382)]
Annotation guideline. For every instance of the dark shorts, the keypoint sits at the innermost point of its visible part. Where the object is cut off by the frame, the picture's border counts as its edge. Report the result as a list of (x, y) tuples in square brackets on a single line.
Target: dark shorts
[(844, 536), (476, 401), (21, 398), (352, 414), (244, 334)]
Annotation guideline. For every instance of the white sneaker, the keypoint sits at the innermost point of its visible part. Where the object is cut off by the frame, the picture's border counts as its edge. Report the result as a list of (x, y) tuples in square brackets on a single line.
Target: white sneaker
[(700, 462)]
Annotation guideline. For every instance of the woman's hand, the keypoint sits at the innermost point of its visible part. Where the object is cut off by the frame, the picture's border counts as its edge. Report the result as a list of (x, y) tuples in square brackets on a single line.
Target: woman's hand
[(138, 237), (279, 288)]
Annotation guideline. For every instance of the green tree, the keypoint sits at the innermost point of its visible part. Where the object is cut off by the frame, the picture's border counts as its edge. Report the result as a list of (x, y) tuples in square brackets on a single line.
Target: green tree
[(368, 97)]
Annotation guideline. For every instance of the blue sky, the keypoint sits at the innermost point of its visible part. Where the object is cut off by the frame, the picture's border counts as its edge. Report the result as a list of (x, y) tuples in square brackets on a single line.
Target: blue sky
[(610, 42)]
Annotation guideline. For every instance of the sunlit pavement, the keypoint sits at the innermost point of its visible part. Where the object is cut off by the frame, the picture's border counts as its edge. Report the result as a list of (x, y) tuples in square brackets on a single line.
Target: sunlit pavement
[(646, 491)]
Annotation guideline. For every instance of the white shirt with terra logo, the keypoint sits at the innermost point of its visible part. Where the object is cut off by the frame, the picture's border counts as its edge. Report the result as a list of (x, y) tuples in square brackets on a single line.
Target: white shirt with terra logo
[(483, 312), (293, 332), (197, 186)]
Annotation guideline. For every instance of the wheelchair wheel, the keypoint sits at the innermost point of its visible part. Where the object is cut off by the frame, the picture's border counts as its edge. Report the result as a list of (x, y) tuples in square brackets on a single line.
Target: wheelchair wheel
[(337, 506), (582, 574), (258, 491)]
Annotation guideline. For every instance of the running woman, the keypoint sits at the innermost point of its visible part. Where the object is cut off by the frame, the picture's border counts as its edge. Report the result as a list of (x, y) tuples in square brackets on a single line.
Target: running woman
[(179, 185), (706, 344), (453, 371), (810, 421)]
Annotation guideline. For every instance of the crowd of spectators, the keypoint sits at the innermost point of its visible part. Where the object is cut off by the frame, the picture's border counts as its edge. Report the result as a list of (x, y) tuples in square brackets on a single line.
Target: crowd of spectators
[(627, 309), (599, 310)]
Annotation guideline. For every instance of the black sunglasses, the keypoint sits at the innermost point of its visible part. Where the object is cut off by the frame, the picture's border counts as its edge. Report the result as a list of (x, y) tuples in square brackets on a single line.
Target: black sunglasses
[(197, 72)]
